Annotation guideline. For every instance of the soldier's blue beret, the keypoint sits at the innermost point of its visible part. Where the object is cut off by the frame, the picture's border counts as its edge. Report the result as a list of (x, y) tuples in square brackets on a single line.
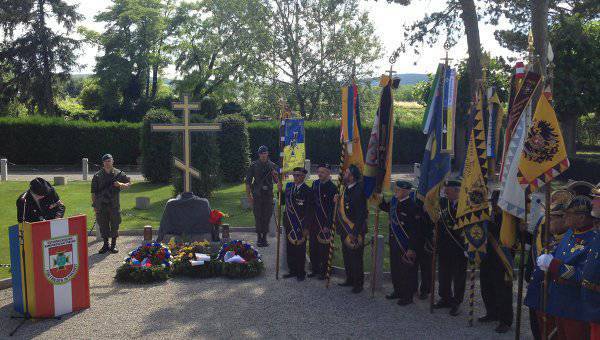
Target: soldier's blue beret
[(107, 157)]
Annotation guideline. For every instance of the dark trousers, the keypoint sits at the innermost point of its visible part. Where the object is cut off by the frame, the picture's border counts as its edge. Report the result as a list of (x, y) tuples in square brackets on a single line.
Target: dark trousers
[(533, 323), (404, 275), (496, 291), (319, 254), (424, 266), (108, 218), (296, 258), (262, 209), (453, 274), (353, 264)]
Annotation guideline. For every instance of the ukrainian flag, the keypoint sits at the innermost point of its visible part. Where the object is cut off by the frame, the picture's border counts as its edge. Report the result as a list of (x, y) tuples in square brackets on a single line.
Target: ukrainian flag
[(294, 151)]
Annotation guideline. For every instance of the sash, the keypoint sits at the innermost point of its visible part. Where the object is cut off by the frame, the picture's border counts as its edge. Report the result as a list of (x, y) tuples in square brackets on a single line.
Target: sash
[(296, 235), (322, 219), (397, 226), (348, 227), (446, 216)]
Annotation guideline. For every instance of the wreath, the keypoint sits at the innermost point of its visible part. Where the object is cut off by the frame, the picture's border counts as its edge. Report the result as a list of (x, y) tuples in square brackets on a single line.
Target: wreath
[(240, 260), (150, 262), (194, 260)]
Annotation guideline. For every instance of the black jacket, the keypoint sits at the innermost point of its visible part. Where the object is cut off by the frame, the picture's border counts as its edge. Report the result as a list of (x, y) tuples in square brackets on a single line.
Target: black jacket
[(301, 199), (355, 204), (449, 238), (323, 193), (49, 208), (409, 214)]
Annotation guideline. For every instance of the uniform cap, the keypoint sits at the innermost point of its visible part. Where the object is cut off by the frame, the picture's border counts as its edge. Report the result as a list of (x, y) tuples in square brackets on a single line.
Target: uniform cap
[(107, 157), (263, 149), (580, 204), (404, 184), (355, 171), (455, 182), (299, 171)]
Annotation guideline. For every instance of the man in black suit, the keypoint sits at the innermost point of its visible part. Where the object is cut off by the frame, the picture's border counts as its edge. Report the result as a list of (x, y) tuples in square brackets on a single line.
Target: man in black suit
[(452, 252), (352, 225), (298, 207)]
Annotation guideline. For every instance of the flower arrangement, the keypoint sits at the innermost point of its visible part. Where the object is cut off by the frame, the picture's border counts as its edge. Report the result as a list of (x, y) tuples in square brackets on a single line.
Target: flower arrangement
[(150, 262), (216, 217), (240, 260), (194, 259)]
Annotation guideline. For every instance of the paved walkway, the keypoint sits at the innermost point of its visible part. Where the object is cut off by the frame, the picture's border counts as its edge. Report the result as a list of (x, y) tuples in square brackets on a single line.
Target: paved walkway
[(258, 308)]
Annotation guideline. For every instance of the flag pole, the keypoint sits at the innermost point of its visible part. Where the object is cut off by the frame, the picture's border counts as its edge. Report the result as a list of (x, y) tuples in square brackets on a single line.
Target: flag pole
[(279, 190), (333, 225), (433, 264), (521, 274)]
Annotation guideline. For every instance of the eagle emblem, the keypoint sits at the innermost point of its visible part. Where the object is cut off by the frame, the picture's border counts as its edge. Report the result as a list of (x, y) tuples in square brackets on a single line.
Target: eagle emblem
[(542, 142)]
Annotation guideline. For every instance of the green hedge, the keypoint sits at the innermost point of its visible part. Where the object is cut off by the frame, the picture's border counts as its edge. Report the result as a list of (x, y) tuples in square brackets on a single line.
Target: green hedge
[(323, 140), (583, 169), (49, 141), (233, 146), (204, 157), (157, 157)]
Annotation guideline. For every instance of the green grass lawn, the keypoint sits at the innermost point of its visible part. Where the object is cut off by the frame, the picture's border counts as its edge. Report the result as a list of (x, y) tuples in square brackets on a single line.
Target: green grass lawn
[(76, 196)]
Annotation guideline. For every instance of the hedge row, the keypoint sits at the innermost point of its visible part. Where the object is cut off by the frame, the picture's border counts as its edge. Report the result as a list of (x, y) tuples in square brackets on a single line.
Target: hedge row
[(50, 141), (323, 140)]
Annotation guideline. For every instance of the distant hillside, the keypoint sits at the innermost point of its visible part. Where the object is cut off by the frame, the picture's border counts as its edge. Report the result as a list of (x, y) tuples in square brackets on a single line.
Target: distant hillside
[(405, 79)]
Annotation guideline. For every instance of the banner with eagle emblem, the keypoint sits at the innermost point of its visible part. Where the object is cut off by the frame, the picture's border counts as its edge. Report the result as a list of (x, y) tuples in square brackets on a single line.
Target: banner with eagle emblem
[(544, 154)]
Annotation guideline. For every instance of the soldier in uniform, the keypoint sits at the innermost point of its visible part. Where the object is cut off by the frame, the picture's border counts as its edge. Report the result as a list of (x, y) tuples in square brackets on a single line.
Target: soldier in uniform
[(565, 266), (39, 203), (405, 240), (107, 184), (590, 290), (260, 177), (352, 225), (496, 283), (298, 206), (452, 257), (323, 191)]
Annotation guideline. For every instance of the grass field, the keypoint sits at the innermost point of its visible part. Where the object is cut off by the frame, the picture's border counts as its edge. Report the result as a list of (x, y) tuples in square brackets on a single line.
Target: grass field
[(76, 196)]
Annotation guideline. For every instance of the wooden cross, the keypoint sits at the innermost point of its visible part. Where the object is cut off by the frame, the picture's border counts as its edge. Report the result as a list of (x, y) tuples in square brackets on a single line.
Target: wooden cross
[(446, 59), (186, 128)]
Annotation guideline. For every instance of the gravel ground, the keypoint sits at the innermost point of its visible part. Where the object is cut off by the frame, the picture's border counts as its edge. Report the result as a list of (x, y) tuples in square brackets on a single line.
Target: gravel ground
[(256, 308)]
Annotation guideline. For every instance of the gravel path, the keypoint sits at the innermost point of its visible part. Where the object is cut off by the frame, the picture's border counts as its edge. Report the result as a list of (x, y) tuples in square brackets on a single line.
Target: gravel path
[(257, 308)]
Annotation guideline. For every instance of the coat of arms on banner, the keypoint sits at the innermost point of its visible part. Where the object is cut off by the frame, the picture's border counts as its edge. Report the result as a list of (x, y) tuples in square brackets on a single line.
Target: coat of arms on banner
[(542, 142), (60, 259)]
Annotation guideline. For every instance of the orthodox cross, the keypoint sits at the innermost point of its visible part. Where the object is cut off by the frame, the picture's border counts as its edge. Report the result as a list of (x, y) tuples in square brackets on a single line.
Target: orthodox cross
[(187, 129)]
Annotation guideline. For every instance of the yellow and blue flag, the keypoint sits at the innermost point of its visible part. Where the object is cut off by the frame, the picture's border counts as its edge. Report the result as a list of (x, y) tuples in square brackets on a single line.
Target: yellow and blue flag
[(294, 152), (435, 166), (350, 129)]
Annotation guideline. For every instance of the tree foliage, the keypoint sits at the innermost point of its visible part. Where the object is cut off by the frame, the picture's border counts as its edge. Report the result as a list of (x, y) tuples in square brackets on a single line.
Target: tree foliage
[(316, 45), (33, 56)]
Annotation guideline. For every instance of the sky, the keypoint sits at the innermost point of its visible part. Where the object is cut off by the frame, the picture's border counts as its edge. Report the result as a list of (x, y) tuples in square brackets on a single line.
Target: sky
[(388, 20)]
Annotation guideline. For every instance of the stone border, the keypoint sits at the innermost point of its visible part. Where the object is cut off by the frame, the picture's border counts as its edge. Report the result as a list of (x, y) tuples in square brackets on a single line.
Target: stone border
[(5, 283)]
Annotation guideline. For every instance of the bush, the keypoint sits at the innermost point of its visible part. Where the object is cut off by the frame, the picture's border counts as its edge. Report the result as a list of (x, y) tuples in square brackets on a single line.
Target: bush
[(323, 140), (233, 146), (48, 141), (157, 157), (583, 169), (70, 109), (130, 274), (204, 157), (208, 108)]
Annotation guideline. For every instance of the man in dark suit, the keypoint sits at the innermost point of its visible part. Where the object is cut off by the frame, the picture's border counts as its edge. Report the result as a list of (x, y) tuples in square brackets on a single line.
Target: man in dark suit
[(323, 191), (352, 225), (298, 205)]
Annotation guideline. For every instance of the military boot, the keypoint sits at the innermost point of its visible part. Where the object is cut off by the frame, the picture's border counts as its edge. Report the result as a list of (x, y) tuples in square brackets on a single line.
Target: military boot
[(113, 246), (104, 248)]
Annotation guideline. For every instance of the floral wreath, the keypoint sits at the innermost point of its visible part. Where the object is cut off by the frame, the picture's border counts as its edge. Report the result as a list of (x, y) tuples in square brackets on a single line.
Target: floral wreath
[(150, 254), (236, 247)]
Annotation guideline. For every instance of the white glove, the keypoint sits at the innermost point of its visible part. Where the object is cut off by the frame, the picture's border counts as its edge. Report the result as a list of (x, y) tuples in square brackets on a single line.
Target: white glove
[(543, 261)]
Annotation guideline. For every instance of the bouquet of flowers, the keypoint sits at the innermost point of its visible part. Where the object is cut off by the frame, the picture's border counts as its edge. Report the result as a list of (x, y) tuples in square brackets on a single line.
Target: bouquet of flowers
[(216, 217), (194, 259), (240, 260), (147, 263)]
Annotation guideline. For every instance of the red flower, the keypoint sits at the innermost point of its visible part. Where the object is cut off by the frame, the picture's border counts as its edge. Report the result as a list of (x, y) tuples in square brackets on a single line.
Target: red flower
[(215, 217)]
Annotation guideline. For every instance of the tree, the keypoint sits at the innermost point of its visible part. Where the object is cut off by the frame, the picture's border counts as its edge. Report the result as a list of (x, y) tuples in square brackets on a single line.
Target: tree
[(457, 18), (217, 41), (317, 44), (573, 35), (134, 52), (576, 45), (35, 56)]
